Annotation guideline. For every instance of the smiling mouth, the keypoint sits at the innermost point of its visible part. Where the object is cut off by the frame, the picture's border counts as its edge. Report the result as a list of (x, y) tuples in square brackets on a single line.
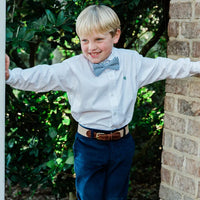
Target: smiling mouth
[(94, 54)]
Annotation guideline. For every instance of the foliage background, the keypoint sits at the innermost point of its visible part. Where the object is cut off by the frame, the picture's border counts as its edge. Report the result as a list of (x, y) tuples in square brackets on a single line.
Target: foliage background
[(39, 127)]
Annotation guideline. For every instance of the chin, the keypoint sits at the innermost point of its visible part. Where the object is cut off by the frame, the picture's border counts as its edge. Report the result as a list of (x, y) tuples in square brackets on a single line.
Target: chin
[(94, 60)]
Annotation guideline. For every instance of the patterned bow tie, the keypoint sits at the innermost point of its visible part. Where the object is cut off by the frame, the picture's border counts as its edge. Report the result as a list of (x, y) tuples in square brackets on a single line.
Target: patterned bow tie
[(100, 67)]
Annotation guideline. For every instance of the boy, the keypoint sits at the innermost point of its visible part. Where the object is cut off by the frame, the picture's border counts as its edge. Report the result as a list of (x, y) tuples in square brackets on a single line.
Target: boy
[(102, 85)]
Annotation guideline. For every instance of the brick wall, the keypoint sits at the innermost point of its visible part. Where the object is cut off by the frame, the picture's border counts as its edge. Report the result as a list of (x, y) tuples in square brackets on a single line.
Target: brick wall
[(180, 173)]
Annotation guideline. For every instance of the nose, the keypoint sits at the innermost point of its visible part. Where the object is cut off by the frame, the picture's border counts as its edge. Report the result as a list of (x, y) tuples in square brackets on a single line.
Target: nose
[(92, 46)]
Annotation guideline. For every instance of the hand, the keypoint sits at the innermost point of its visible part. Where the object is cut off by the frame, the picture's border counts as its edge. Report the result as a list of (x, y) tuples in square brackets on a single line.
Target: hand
[(7, 64)]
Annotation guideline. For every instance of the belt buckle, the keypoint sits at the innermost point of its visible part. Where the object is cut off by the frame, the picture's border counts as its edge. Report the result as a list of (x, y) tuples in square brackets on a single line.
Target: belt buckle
[(99, 134)]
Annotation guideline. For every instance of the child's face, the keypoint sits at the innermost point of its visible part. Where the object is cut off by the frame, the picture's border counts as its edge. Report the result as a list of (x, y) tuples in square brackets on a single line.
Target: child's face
[(96, 47)]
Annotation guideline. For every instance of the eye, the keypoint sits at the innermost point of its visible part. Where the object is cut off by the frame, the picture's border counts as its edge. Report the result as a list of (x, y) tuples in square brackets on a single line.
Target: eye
[(99, 39), (84, 40)]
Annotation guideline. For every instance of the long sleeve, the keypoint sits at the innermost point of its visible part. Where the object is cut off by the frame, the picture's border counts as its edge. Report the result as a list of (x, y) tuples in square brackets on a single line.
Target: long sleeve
[(152, 70), (41, 78)]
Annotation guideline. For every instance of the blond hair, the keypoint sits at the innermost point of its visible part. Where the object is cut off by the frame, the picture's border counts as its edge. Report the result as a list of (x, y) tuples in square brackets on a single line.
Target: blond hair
[(97, 18)]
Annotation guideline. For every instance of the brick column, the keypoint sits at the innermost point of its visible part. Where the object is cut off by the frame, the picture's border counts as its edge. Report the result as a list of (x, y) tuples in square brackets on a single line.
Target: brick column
[(180, 172)]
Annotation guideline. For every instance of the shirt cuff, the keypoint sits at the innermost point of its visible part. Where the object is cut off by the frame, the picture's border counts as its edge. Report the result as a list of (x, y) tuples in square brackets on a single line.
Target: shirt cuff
[(9, 80), (195, 69)]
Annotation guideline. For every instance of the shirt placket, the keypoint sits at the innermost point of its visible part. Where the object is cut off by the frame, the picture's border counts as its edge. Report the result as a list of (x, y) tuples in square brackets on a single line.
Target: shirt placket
[(113, 97)]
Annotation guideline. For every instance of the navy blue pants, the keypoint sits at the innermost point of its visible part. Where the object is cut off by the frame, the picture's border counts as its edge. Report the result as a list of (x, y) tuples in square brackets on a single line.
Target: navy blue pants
[(102, 167)]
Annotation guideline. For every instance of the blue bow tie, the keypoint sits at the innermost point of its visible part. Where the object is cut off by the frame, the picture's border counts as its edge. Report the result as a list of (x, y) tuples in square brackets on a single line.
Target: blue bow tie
[(100, 67)]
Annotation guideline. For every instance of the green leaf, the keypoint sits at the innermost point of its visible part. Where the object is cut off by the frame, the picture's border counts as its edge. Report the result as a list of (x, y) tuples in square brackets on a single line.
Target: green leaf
[(52, 132), (29, 35), (59, 160), (66, 121), (60, 19), (34, 152), (50, 30), (40, 24), (11, 142), (9, 34), (67, 28), (21, 33), (137, 21), (51, 17), (70, 160), (8, 159), (42, 21), (50, 164)]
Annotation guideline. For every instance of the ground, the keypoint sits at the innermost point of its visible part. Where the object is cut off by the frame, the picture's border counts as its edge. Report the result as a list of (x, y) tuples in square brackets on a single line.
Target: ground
[(138, 191), (144, 178)]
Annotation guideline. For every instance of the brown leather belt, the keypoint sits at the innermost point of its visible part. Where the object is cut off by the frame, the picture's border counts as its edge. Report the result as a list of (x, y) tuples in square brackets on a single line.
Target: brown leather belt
[(103, 135)]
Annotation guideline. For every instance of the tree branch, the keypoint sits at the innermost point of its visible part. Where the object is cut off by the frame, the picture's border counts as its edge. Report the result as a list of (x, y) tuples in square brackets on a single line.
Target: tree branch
[(33, 48), (162, 28)]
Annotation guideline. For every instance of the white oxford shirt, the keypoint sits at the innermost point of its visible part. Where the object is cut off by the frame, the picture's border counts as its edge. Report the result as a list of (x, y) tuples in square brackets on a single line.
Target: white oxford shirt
[(105, 102)]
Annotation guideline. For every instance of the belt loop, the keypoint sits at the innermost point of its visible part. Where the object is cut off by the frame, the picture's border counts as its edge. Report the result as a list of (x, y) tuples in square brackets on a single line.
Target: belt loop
[(92, 133)]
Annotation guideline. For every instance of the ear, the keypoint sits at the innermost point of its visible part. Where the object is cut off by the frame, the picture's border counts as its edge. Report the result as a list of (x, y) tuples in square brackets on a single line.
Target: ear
[(116, 36)]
